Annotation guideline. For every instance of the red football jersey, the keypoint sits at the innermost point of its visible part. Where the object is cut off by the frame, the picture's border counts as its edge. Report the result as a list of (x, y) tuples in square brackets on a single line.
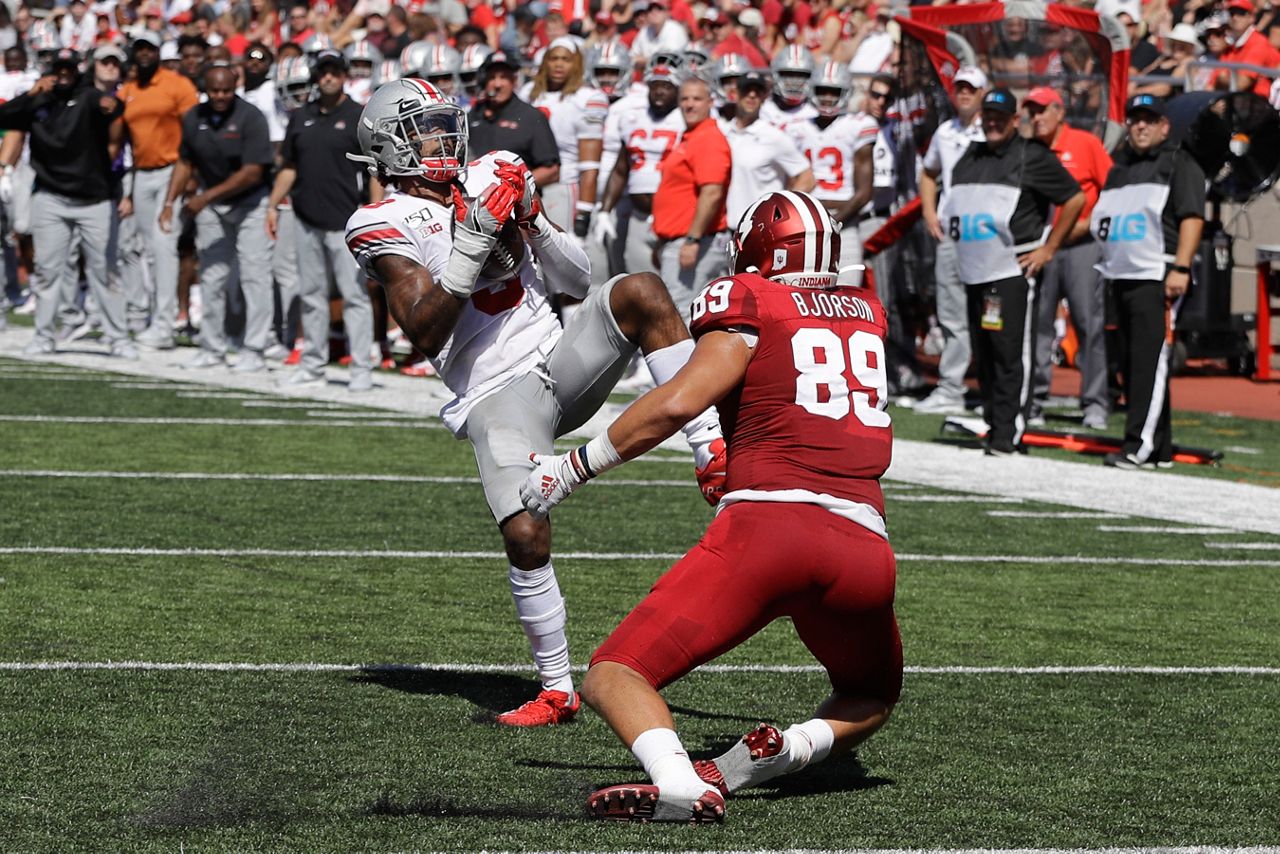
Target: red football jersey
[(810, 413)]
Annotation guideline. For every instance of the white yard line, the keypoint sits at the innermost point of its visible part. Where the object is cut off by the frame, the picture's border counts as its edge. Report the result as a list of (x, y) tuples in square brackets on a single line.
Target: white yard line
[(262, 403), (1160, 529), (1050, 514), (1083, 485), (1063, 560), (1262, 547), (454, 667), (299, 476), (218, 422), (950, 498), (219, 395), (161, 385)]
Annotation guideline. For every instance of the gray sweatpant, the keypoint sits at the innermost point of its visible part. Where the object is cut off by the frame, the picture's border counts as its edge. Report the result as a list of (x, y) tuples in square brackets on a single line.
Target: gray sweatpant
[(684, 283), (639, 242), (225, 235), (323, 262), (160, 250), (284, 269), (953, 319), (55, 220), (1071, 275)]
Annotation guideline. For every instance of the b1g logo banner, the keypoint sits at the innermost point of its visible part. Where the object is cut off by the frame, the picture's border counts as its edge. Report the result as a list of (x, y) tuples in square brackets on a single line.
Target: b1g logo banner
[(1123, 229), (973, 227)]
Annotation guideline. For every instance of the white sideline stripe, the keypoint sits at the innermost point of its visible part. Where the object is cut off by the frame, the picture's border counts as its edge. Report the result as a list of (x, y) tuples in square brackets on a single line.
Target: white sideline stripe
[(1265, 547), (449, 667), (220, 395), (319, 412), (260, 403), (54, 376), (1160, 529), (285, 476), (962, 499), (1075, 560), (162, 386), (217, 422), (1050, 514), (1197, 849)]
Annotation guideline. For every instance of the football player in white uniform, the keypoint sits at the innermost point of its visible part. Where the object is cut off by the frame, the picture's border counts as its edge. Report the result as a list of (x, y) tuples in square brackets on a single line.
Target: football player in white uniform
[(839, 145), (453, 245), (791, 69), (576, 113), (648, 136), (609, 70), (363, 64)]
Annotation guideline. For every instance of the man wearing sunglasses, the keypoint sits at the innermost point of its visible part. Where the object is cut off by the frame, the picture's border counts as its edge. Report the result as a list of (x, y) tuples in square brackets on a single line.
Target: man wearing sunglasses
[(1248, 46), (1148, 221)]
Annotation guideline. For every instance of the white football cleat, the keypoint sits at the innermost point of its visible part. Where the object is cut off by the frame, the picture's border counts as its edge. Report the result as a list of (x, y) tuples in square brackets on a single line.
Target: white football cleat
[(645, 802)]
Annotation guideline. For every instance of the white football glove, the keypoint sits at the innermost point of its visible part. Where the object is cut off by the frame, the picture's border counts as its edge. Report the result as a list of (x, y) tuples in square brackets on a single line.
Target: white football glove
[(604, 227), (552, 480)]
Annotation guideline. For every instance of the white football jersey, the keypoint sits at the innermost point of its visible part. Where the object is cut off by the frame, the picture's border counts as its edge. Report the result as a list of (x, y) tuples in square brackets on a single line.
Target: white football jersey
[(628, 103), (780, 118), (359, 89), (505, 330), (265, 99), (578, 116), (831, 149), (648, 141)]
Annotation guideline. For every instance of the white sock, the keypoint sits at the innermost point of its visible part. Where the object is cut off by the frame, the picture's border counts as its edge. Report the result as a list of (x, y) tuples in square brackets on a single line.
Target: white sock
[(665, 761), (540, 608), (807, 743), (705, 428)]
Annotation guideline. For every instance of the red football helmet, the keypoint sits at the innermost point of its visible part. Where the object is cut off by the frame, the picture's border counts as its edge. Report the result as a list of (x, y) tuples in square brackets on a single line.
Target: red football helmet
[(789, 237)]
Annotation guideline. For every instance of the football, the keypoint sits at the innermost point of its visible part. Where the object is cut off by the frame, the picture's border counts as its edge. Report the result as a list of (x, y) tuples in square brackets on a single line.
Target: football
[(507, 254)]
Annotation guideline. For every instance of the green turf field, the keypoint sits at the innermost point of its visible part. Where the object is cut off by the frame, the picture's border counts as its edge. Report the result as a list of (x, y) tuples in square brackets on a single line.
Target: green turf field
[(314, 659)]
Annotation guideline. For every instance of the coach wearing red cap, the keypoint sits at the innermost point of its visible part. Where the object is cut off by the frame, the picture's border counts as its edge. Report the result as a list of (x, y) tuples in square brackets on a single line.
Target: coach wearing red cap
[(1071, 274)]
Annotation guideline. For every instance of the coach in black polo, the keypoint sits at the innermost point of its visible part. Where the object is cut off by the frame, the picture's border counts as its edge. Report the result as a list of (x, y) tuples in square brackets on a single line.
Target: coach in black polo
[(996, 211), (327, 187), (225, 144), (500, 120)]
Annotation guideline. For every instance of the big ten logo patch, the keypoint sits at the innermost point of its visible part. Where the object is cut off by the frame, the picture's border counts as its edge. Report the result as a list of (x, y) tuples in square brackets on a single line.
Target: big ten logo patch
[(973, 227), (1127, 228)]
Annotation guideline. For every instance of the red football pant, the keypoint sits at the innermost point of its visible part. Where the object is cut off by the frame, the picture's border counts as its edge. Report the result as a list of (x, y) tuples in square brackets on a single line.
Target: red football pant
[(761, 561)]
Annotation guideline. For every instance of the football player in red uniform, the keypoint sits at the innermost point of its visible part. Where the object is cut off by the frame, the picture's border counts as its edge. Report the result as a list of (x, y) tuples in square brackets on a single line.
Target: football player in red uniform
[(796, 367)]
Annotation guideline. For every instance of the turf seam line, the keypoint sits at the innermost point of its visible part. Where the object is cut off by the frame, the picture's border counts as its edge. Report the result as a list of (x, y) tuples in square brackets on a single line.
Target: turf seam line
[(1078, 560)]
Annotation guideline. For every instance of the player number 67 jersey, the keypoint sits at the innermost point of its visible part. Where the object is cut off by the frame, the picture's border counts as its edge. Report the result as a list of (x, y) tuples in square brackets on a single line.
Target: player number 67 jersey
[(831, 149), (648, 142), (810, 415)]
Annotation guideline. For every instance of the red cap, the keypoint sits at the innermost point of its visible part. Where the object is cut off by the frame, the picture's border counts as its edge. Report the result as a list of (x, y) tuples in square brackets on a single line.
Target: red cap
[(714, 15), (1044, 96), (605, 19), (1246, 5)]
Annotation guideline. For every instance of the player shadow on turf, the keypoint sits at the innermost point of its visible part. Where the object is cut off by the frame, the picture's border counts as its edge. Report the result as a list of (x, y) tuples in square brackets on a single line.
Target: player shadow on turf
[(487, 691), (438, 806), (842, 774)]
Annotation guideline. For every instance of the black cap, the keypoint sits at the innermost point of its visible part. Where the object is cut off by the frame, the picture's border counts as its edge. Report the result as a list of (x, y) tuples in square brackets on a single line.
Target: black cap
[(330, 57), (1001, 101), (499, 57), (751, 78), (66, 56), (1147, 103)]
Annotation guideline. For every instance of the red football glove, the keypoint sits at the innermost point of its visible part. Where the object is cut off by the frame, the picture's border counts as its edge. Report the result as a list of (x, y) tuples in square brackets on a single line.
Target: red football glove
[(518, 176), (490, 211)]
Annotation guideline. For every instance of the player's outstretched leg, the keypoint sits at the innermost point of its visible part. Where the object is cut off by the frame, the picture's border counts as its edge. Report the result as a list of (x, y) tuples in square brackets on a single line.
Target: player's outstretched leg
[(540, 608), (643, 310), (840, 724), (641, 719)]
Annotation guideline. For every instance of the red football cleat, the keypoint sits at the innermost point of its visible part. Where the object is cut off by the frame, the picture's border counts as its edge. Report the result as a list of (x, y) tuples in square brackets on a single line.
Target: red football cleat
[(294, 357), (645, 802), (549, 707), (418, 369), (711, 477)]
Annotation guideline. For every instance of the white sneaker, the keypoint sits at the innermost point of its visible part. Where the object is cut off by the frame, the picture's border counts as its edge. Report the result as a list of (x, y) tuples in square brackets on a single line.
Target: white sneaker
[(301, 378), (276, 352), (1096, 421), (77, 332), (940, 404), (28, 306), (207, 359), (39, 347), (152, 339), (124, 349), (249, 363), (360, 382)]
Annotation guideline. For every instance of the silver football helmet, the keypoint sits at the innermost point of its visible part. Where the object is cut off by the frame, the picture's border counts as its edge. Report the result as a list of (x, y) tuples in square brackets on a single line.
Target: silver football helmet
[(410, 128), (469, 71), (608, 67), (792, 68), (363, 59), (440, 69), (294, 86), (315, 43), (830, 87), (694, 58), (386, 71), (725, 74)]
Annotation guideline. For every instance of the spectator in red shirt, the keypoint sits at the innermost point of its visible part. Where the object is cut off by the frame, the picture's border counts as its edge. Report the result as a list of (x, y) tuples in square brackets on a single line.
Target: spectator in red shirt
[(742, 39), (1249, 46), (784, 21)]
